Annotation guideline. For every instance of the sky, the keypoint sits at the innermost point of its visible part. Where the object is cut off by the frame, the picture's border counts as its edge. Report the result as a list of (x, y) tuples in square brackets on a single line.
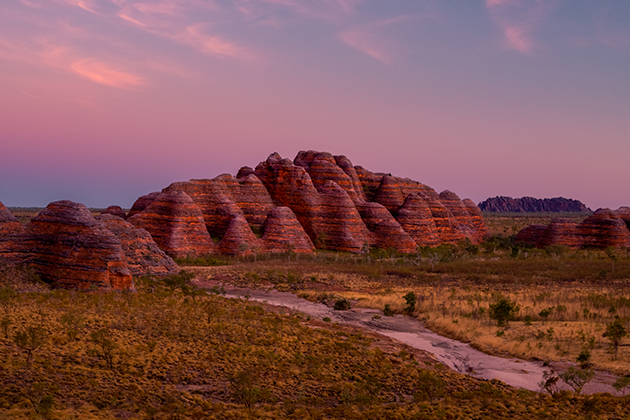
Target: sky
[(102, 101)]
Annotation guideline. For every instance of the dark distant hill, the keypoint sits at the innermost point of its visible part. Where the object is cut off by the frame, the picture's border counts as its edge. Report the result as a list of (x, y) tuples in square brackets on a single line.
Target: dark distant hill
[(531, 204)]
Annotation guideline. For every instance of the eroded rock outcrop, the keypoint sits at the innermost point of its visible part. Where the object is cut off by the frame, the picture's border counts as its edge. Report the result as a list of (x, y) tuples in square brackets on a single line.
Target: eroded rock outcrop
[(282, 233), (385, 231), (143, 256), (239, 238), (115, 211), (222, 198), (11, 236), (339, 206), (71, 249), (605, 228), (142, 203), (416, 218), (176, 224)]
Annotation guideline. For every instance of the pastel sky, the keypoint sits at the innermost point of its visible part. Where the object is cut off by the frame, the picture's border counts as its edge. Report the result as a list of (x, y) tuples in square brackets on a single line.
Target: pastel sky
[(102, 101)]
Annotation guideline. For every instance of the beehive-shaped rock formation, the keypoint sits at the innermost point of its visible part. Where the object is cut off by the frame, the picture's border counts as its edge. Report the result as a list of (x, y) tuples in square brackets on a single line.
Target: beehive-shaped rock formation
[(239, 238), (222, 198), (142, 203), (282, 233), (385, 231), (416, 218), (115, 211), (11, 235), (602, 229), (143, 256), (339, 206), (69, 248), (176, 225)]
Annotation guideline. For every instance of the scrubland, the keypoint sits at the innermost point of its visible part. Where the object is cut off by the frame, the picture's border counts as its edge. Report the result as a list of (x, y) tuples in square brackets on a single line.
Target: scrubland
[(171, 351)]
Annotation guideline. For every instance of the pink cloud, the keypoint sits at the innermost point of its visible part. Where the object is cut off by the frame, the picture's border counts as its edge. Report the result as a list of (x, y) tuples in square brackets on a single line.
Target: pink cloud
[(209, 44), (518, 20), (518, 39), (104, 74), (86, 5), (365, 42)]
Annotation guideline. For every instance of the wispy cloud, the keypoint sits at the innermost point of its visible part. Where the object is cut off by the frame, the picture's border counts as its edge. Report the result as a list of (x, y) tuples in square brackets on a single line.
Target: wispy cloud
[(367, 44), (377, 39), (194, 35), (170, 19), (519, 19), (105, 74)]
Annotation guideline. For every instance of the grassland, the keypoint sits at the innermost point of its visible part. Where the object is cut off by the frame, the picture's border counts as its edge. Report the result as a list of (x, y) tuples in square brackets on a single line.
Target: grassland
[(173, 352)]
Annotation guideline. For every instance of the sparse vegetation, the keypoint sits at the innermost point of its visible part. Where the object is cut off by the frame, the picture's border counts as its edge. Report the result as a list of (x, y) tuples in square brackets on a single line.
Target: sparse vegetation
[(173, 352)]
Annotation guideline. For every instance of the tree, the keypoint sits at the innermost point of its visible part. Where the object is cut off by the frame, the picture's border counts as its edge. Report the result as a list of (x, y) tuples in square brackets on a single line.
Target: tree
[(549, 382), (621, 383), (30, 340), (410, 298), (104, 340), (502, 310), (576, 378), (615, 331), (245, 389)]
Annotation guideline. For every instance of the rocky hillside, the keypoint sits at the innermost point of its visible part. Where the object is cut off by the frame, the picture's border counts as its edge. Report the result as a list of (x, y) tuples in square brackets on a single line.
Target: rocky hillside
[(315, 201), (531, 204)]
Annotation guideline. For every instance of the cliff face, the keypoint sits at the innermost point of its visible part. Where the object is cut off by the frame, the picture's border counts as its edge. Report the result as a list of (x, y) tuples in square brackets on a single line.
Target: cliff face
[(531, 204), (602, 229)]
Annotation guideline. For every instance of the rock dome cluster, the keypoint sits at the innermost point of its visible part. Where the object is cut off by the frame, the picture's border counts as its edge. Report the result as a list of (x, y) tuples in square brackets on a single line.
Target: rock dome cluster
[(315, 201)]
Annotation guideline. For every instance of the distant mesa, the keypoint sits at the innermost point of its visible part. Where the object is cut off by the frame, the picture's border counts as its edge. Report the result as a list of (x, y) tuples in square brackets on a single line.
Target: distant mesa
[(604, 228), (316, 201), (531, 205)]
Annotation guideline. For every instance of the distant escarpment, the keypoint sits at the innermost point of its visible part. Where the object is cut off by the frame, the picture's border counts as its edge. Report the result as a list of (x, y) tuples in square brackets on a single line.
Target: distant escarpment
[(604, 228), (316, 200), (531, 204)]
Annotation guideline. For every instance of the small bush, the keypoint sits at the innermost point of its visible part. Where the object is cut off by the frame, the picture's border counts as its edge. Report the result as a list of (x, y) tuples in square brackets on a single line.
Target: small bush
[(342, 305)]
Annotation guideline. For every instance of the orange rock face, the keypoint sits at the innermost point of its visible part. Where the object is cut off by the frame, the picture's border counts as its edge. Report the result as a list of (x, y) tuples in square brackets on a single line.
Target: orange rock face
[(222, 198), (239, 238), (322, 167), (416, 218), (604, 228), (385, 231), (11, 236), (282, 232), (339, 224), (339, 206), (370, 181), (69, 248), (142, 203), (142, 254), (176, 224)]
